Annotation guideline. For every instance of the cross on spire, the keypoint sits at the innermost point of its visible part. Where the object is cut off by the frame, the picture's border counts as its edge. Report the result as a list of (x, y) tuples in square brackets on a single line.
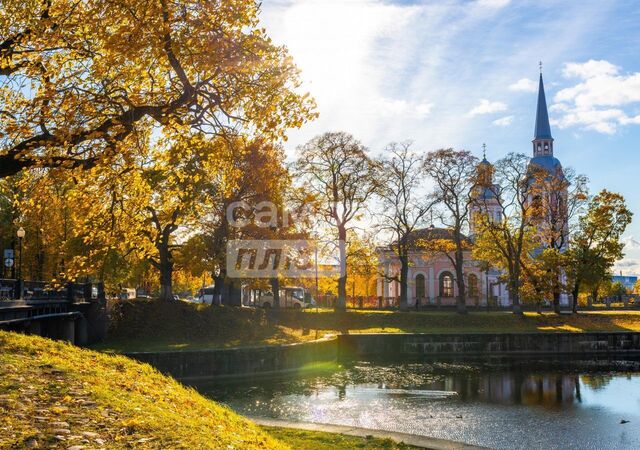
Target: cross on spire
[(540, 65), (484, 150)]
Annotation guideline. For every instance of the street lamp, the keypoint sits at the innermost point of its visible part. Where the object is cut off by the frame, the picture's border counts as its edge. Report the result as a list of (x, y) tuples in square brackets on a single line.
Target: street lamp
[(20, 233)]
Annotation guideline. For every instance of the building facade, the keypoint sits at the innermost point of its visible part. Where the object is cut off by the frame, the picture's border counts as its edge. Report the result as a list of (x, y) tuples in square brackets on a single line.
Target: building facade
[(432, 276)]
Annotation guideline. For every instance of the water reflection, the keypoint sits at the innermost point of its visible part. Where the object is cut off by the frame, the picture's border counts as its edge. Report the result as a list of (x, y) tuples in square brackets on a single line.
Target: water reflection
[(498, 406)]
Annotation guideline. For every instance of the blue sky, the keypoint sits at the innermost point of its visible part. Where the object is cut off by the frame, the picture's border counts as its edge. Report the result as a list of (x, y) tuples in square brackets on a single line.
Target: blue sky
[(459, 73)]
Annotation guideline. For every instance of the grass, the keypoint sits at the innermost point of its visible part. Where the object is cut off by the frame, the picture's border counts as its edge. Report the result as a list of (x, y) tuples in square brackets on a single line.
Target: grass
[(316, 440), (55, 395), (154, 326)]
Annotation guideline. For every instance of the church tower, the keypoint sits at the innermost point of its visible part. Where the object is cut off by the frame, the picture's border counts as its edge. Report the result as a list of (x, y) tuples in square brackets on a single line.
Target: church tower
[(542, 140), (549, 190), (484, 195)]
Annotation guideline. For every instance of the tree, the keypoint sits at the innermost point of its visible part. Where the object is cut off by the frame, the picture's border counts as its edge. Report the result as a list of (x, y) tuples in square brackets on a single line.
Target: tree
[(402, 208), (251, 181), (177, 185), (362, 264), (83, 81), (596, 245), (557, 197), (454, 175), (510, 242), (335, 169)]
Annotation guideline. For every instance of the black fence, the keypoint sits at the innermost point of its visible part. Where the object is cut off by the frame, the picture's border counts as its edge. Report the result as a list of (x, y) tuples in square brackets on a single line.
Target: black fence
[(42, 291)]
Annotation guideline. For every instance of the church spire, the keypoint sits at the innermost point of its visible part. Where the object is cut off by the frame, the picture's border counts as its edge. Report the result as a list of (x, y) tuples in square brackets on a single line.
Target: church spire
[(543, 130), (542, 140)]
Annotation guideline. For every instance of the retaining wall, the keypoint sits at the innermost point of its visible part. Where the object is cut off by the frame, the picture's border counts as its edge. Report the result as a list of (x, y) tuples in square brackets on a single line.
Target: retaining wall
[(241, 362), (277, 359), (478, 344)]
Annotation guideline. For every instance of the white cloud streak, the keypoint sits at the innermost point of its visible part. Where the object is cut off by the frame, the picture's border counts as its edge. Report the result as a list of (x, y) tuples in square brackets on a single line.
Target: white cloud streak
[(599, 101), (503, 121), (388, 71), (487, 107), (524, 85)]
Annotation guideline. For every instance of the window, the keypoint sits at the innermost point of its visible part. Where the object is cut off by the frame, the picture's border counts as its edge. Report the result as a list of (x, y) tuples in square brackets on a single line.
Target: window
[(446, 284), (420, 286), (473, 285)]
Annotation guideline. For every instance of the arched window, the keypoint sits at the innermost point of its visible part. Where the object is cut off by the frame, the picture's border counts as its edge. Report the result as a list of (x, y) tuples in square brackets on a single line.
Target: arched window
[(420, 286), (446, 284), (473, 285)]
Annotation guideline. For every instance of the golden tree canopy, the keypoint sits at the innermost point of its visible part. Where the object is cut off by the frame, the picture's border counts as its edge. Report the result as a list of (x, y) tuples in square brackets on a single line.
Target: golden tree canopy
[(79, 81)]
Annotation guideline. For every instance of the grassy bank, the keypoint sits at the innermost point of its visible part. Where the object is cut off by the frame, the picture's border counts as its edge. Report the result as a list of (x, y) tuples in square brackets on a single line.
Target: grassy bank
[(316, 440), (54, 395), (153, 326)]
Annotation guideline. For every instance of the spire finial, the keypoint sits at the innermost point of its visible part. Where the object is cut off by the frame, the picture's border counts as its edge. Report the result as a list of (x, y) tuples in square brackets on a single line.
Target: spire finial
[(484, 151), (540, 64)]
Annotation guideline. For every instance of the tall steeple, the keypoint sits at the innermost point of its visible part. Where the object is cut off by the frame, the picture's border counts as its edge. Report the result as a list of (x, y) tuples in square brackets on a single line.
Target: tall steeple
[(542, 140)]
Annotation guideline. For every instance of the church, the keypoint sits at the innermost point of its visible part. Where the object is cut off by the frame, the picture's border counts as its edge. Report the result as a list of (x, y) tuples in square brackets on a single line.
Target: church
[(431, 277)]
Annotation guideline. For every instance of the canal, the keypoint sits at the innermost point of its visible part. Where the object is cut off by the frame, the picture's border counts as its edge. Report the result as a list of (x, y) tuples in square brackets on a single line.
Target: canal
[(503, 404)]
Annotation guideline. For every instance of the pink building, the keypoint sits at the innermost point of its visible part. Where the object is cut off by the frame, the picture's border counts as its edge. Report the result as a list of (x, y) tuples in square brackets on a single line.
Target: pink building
[(432, 277)]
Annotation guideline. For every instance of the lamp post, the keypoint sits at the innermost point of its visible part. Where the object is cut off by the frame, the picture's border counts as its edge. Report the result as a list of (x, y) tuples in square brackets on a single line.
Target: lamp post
[(20, 233)]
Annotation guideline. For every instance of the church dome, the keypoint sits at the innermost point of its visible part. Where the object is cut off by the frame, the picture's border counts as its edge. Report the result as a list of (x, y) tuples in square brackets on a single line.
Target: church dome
[(548, 163)]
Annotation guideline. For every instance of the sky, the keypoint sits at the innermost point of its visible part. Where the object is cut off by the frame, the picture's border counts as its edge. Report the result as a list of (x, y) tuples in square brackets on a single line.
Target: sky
[(460, 73)]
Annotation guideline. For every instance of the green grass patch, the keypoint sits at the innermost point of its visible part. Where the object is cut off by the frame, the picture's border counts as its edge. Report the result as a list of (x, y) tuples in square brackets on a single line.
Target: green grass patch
[(318, 440), (156, 326)]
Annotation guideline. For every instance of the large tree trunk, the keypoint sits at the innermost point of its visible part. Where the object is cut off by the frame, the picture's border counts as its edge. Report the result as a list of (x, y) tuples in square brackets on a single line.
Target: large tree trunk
[(341, 302), (461, 306), (275, 288), (218, 287), (594, 294), (166, 273), (514, 294), (404, 282), (575, 292), (514, 290), (556, 301)]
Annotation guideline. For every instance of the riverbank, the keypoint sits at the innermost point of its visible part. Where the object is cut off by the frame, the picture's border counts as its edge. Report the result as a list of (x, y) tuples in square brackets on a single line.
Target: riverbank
[(341, 432), (138, 326), (55, 395)]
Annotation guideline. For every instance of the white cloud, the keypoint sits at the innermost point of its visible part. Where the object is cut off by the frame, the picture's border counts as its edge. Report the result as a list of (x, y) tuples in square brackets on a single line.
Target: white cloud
[(627, 266), (390, 71), (599, 100), (591, 68), (631, 243), (524, 85), (487, 107), (390, 107), (503, 121), (493, 4)]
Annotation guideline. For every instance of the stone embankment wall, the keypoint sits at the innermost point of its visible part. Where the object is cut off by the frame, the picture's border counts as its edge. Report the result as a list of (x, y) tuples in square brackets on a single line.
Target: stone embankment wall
[(479, 344), (292, 358), (241, 362)]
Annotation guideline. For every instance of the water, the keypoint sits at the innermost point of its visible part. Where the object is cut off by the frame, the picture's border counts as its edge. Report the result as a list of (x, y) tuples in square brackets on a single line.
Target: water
[(503, 405)]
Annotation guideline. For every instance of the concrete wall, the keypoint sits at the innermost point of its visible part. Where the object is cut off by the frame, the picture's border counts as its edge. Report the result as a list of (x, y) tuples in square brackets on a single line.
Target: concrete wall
[(362, 345), (240, 362), (267, 360)]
